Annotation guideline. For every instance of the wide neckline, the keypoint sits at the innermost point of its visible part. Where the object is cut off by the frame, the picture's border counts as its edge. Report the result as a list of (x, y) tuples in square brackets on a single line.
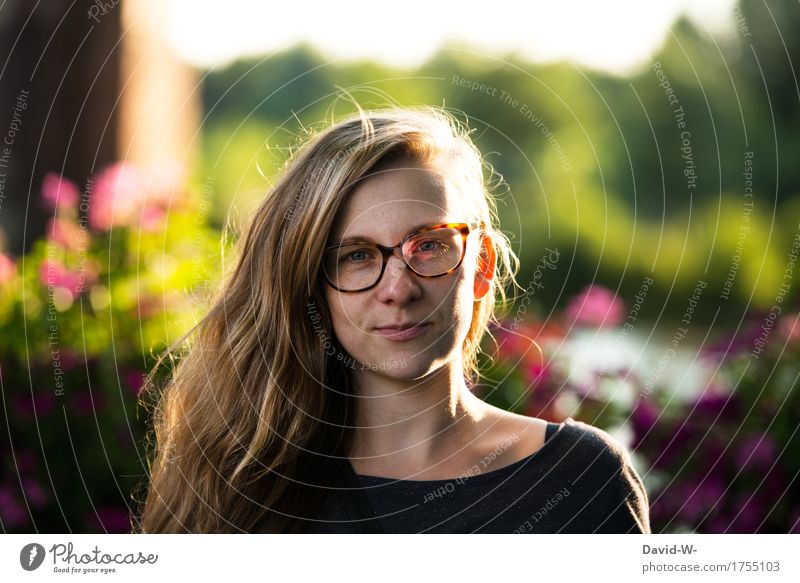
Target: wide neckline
[(477, 478)]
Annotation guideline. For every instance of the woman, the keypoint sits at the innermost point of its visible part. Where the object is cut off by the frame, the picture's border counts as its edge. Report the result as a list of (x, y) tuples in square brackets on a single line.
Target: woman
[(329, 386)]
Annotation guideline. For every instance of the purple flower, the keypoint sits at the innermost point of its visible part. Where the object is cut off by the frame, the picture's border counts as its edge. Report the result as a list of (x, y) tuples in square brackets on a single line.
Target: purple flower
[(679, 446), (34, 492), (644, 417), (43, 403), (109, 519), (712, 403), (134, 380), (748, 515), (716, 524), (11, 511), (740, 340), (775, 483), (86, 402), (794, 521), (26, 461), (68, 359), (712, 452), (699, 498), (756, 452)]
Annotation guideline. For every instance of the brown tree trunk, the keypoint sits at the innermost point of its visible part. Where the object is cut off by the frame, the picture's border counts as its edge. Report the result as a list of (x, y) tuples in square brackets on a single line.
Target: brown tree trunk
[(59, 70)]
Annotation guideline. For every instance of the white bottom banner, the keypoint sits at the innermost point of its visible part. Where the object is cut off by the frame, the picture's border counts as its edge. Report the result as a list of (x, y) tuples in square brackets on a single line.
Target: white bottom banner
[(396, 557)]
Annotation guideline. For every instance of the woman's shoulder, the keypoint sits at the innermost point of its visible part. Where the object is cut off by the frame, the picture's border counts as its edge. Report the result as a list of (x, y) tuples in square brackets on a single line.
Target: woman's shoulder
[(612, 470), (570, 441), (596, 465), (576, 436), (529, 434), (592, 445), (593, 439)]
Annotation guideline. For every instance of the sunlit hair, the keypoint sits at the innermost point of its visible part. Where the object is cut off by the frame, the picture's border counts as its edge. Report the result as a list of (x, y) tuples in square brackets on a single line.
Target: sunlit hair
[(256, 412)]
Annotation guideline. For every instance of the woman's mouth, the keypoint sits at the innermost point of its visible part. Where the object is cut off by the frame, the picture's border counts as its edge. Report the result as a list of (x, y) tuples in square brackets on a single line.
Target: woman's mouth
[(401, 334)]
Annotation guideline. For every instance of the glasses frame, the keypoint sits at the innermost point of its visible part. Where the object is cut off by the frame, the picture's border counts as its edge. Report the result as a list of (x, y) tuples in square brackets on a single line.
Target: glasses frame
[(386, 252)]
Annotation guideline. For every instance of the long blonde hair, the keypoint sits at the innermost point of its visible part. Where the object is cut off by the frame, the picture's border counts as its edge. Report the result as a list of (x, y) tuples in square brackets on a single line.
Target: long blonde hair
[(249, 425)]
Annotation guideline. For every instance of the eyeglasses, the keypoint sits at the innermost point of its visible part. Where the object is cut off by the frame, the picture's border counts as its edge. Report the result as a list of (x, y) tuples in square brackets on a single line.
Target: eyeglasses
[(432, 251)]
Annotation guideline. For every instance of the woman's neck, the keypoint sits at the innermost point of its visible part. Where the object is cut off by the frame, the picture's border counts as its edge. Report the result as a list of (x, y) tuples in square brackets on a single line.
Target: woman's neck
[(403, 427)]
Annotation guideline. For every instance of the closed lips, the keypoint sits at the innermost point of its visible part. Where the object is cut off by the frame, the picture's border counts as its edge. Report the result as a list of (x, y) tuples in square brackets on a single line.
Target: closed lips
[(401, 326), (403, 334)]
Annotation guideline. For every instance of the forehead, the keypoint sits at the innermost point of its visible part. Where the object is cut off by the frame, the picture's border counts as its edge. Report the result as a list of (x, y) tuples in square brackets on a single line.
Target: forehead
[(385, 206)]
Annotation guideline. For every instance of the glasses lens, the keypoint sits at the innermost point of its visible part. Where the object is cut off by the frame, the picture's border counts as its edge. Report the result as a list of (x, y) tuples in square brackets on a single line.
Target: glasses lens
[(357, 266), (434, 252), (352, 267)]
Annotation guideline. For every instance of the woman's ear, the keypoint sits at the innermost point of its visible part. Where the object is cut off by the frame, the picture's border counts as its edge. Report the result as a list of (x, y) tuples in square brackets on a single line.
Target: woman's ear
[(485, 271)]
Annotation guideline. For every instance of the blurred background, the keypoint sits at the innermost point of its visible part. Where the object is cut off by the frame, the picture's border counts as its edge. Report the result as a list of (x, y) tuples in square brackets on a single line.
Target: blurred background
[(646, 168)]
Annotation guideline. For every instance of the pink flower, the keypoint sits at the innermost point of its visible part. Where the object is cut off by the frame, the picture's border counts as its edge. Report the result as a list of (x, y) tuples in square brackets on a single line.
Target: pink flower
[(57, 191), (117, 193), (152, 218), (596, 306), (123, 195), (8, 269), (537, 373), (788, 326), (519, 339), (66, 233), (55, 274), (149, 305), (509, 344), (164, 185)]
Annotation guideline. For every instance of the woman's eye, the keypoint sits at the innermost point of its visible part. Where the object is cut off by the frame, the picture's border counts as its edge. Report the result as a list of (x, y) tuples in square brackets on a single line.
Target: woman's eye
[(429, 245), (357, 256)]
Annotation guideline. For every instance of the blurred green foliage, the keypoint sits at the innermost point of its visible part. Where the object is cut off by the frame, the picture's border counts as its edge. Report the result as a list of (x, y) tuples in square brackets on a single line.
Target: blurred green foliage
[(599, 170)]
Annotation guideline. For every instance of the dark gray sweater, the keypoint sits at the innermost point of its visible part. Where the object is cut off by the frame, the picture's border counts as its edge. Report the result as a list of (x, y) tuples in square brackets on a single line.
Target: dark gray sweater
[(580, 481)]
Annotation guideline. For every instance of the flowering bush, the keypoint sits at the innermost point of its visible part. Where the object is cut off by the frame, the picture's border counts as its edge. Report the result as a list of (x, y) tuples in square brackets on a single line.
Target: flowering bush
[(727, 460), (84, 314), (722, 458), (124, 262)]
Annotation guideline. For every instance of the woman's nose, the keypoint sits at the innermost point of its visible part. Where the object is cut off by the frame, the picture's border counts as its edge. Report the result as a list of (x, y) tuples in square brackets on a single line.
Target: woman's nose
[(398, 283)]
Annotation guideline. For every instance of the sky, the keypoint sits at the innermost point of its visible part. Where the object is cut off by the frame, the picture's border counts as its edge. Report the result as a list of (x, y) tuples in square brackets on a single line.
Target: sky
[(612, 35)]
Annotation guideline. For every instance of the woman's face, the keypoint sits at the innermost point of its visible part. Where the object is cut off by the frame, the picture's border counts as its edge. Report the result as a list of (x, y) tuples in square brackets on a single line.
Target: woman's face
[(384, 208)]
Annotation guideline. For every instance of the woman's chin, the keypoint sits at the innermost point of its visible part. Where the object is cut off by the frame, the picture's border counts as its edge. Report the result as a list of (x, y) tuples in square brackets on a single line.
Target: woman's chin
[(411, 368), (396, 368)]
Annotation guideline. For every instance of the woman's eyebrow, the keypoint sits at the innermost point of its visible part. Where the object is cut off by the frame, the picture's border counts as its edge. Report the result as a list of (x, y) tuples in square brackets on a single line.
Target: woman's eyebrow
[(357, 238)]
